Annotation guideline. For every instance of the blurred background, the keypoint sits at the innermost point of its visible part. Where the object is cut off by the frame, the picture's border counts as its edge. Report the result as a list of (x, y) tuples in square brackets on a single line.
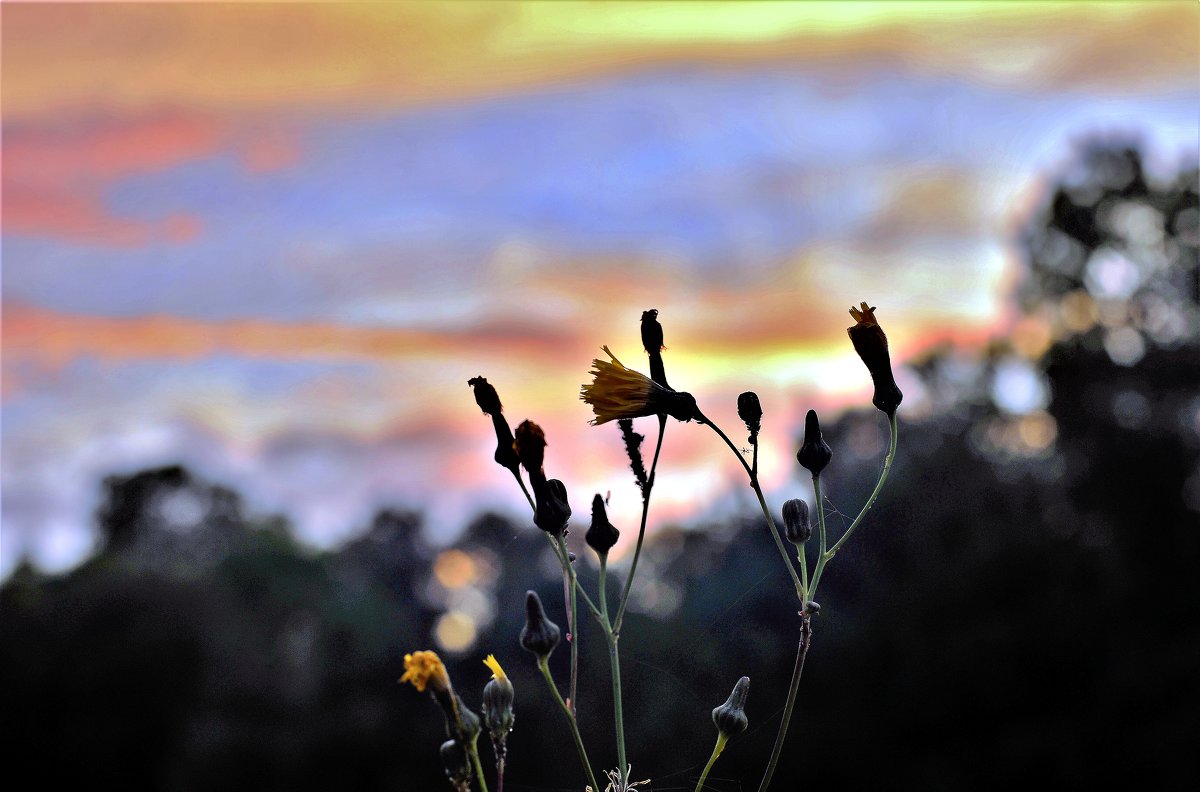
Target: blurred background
[(252, 253)]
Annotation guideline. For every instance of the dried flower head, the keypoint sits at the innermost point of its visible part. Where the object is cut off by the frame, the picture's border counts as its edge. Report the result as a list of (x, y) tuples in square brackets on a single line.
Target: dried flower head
[(486, 396), (530, 445), (489, 401), (426, 669), (617, 392), (815, 453), (870, 342)]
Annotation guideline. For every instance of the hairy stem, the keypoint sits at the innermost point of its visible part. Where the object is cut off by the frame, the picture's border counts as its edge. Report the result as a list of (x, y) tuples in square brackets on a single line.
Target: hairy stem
[(544, 667), (801, 653)]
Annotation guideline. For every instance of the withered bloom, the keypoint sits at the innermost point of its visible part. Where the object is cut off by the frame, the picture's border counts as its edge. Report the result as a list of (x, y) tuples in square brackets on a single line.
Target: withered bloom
[(795, 521), (489, 401), (633, 447), (539, 635), (552, 510), (815, 454), (750, 411), (616, 392), (602, 534), (871, 344), (530, 447), (652, 340)]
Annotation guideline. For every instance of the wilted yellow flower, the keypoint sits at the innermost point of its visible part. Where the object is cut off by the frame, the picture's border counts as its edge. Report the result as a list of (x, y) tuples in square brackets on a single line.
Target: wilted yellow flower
[(617, 392), (870, 342), (497, 672), (425, 668)]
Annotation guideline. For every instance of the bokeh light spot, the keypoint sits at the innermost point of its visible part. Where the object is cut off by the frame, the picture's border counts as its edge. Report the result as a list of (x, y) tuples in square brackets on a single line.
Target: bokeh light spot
[(455, 631), (455, 569)]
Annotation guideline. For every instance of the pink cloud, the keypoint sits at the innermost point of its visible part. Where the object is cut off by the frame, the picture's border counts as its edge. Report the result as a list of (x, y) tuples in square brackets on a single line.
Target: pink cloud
[(55, 175)]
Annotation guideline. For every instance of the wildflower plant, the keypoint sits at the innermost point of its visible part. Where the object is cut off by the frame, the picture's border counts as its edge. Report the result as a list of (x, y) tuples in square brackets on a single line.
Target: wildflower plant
[(618, 393)]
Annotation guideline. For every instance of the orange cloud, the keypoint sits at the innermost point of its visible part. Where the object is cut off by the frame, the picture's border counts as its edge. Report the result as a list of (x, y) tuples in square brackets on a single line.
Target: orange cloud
[(54, 338), (355, 55)]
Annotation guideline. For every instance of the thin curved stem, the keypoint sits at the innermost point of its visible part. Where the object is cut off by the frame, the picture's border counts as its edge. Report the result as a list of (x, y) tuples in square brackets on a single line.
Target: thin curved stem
[(544, 667), (623, 602), (826, 556), (720, 746), (618, 710), (517, 475), (473, 752), (801, 589), (801, 653)]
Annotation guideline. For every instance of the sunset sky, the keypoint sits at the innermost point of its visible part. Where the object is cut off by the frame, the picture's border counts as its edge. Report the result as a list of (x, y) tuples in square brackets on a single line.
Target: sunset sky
[(274, 241)]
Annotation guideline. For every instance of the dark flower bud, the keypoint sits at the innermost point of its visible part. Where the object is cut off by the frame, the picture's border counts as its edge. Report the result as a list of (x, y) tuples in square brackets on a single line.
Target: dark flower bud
[(497, 701), (486, 396), (488, 401), (633, 448), (750, 411), (652, 340), (795, 521), (602, 535), (454, 760), (871, 344), (539, 635), (571, 557), (812, 607), (552, 510), (730, 717), (530, 445), (815, 453)]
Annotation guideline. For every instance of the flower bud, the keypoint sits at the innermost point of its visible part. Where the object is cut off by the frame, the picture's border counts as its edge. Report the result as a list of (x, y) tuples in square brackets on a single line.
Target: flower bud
[(454, 760), (552, 510), (530, 445), (602, 535), (730, 717), (815, 453), (652, 341), (813, 607), (539, 635), (795, 521), (750, 411), (870, 342), (497, 701)]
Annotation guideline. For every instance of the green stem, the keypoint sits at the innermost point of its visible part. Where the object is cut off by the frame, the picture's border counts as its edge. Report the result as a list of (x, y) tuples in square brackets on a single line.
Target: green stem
[(517, 475), (801, 653), (887, 466), (544, 667), (762, 502), (473, 752), (572, 617), (720, 746), (618, 714), (637, 550)]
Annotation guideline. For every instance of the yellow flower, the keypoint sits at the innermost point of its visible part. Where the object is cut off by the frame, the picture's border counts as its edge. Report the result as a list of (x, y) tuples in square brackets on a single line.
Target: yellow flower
[(494, 664), (425, 668), (617, 392)]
